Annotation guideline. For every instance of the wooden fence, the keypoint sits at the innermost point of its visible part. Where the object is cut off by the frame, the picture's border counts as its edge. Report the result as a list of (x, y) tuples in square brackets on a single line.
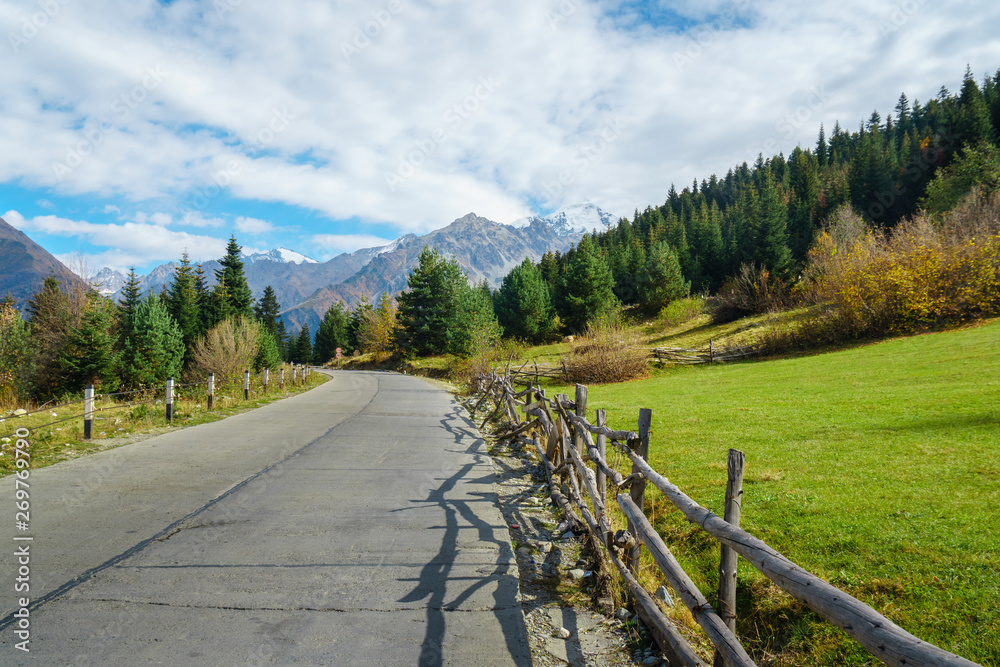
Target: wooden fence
[(711, 354), (169, 392), (565, 441)]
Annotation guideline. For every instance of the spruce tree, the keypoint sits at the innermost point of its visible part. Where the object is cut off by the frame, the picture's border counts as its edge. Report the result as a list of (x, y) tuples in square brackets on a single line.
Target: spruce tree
[(303, 346), (51, 318), (238, 292), (182, 302), (587, 287), (427, 308), (475, 328), (661, 280), (267, 310), (90, 355), (156, 350), (523, 304), (16, 360), (333, 332)]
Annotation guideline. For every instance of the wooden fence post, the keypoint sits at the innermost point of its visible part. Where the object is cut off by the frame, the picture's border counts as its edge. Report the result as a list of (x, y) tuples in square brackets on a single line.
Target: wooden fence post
[(211, 390), (295, 375), (602, 482), (88, 411), (170, 399), (267, 376), (281, 378), (246, 385), (581, 411), (638, 489), (727, 564), (711, 351)]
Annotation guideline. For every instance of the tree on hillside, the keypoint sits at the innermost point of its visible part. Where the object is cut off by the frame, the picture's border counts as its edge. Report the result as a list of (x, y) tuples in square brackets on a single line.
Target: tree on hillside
[(267, 310), (587, 287), (475, 327), (661, 280), (16, 362), (51, 316), (427, 308), (155, 352), (238, 294), (333, 332), (90, 355), (377, 327), (303, 346), (182, 302), (523, 304)]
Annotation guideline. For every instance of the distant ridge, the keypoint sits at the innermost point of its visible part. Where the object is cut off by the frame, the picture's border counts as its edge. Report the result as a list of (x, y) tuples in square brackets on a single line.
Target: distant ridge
[(24, 265)]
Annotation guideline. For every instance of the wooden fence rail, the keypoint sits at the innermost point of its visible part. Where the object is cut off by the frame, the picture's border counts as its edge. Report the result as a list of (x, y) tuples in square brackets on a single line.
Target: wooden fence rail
[(581, 493), (168, 391)]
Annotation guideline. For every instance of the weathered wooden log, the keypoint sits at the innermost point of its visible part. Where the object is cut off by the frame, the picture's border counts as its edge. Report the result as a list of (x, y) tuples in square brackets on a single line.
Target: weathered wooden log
[(728, 560), (620, 436), (602, 445), (486, 393), (666, 635), (721, 636), (884, 639), (640, 448), (527, 426)]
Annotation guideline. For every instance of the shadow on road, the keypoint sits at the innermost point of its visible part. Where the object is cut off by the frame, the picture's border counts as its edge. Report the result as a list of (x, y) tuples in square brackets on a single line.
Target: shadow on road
[(435, 576)]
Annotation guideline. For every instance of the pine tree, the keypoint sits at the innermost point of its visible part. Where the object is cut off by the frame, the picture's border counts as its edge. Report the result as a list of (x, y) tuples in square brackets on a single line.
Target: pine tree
[(267, 311), (587, 287), (16, 361), (303, 346), (822, 150), (427, 308), (205, 311), (475, 328), (51, 318), (182, 302), (90, 355), (156, 350), (238, 295), (974, 123), (523, 304), (661, 280), (333, 332)]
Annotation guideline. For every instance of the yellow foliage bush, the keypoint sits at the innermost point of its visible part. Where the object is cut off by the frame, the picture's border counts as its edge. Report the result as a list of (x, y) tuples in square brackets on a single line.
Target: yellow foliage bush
[(919, 275)]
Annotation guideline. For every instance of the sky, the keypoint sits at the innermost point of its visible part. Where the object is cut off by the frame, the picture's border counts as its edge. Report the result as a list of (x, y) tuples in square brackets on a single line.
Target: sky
[(137, 130)]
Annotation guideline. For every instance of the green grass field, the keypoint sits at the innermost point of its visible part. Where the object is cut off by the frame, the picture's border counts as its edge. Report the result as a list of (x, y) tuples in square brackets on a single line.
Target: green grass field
[(876, 468)]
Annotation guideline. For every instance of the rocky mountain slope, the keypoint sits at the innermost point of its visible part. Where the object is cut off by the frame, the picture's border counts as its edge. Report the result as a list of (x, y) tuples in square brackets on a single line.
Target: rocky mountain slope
[(24, 265), (483, 248)]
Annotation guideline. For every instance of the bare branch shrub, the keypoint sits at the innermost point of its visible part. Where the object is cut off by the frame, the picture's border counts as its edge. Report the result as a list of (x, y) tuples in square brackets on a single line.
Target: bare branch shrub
[(753, 290), (608, 352), (227, 350)]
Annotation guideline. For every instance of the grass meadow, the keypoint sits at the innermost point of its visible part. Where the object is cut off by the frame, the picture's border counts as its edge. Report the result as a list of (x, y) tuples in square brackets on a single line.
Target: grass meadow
[(875, 467)]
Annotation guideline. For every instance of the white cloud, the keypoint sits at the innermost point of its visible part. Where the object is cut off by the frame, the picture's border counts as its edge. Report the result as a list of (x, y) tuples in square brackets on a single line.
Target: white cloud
[(153, 102), (129, 243), (253, 226)]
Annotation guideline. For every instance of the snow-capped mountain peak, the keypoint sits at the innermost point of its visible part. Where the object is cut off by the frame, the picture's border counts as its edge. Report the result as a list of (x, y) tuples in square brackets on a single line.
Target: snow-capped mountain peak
[(280, 255), (573, 219)]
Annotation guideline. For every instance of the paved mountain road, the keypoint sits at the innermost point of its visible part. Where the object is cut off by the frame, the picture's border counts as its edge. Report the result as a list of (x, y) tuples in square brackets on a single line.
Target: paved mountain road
[(355, 524)]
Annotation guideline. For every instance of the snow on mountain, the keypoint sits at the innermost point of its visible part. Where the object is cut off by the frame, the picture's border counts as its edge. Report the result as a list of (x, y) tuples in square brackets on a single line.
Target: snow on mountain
[(280, 255), (573, 219), (108, 281)]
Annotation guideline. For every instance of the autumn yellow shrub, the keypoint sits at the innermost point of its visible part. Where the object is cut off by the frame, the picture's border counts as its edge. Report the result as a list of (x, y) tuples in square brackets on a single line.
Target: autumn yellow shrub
[(919, 275)]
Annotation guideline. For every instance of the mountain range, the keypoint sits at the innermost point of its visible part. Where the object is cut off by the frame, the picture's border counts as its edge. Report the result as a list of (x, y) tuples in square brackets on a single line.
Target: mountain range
[(24, 265), (306, 288)]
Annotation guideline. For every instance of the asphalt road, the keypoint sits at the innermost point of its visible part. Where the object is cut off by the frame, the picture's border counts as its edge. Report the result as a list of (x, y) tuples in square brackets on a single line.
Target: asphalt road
[(355, 524)]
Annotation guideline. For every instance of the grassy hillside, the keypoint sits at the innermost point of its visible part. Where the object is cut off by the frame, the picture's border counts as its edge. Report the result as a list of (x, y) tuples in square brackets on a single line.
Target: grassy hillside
[(877, 468)]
